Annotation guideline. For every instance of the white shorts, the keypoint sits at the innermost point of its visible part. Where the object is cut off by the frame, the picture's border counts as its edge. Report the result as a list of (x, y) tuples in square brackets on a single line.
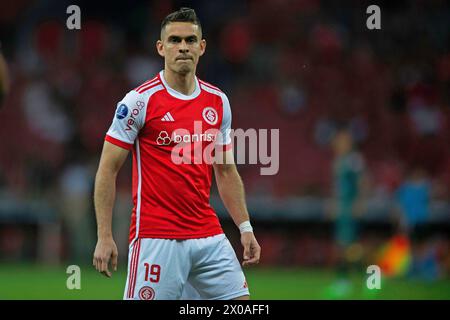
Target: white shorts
[(167, 269)]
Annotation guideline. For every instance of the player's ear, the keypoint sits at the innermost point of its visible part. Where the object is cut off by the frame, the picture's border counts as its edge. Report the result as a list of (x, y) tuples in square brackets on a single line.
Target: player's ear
[(160, 48), (202, 46)]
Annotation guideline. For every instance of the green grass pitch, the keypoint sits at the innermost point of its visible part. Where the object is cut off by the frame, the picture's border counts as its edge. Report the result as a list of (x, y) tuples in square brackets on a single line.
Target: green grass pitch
[(44, 282)]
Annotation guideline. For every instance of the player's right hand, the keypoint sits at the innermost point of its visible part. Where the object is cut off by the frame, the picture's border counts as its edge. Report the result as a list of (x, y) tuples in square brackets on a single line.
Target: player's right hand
[(105, 251)]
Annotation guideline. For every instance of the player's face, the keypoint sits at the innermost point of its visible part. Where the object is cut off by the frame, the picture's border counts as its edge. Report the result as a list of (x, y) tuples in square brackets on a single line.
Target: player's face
[(181, 45), (342, 143)]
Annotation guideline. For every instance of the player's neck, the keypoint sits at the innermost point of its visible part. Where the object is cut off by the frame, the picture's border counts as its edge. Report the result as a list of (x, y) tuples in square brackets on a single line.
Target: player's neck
[(183, 83)]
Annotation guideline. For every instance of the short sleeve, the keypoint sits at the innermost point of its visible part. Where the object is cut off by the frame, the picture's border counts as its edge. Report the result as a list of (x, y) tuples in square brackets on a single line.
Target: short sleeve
[(128, 120), (225, 127)]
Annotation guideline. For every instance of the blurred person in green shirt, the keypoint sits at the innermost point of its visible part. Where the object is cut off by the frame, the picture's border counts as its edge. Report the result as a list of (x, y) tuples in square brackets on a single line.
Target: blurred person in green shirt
[(348, 167)]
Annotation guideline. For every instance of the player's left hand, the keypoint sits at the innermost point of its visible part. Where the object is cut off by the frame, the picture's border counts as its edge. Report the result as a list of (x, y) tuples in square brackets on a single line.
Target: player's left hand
[(252, 250)]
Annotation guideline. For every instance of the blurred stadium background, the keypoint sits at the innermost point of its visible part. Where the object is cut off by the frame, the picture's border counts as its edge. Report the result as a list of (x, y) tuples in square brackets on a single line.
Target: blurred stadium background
[(304, 66)]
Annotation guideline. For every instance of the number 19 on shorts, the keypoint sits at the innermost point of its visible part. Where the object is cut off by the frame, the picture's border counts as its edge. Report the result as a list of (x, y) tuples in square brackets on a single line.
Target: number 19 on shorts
[(152, 272)]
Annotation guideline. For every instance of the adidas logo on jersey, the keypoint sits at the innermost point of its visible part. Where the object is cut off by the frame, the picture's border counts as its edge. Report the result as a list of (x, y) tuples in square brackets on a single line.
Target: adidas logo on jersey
[(167, 117)]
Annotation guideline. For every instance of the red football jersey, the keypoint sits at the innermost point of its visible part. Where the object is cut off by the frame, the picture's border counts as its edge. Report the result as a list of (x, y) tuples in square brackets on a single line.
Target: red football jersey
[(171, 199)]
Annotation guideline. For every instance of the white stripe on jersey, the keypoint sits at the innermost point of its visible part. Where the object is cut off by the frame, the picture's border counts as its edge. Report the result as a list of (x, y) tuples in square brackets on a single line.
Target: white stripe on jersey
[(146, 83), (139, 189), (150, 85), (211, 90), (208, 85)]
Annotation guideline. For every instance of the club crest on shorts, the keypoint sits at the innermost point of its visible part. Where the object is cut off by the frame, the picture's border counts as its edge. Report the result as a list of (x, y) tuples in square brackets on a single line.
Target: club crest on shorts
[(210, 115), (146, 293)]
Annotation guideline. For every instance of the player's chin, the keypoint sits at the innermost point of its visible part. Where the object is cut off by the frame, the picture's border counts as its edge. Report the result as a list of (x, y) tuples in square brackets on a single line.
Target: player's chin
[(185, 66), (184, 71)]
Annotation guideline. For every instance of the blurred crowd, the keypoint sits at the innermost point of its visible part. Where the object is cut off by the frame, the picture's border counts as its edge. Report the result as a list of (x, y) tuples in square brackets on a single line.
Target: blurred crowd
[(304, 66)]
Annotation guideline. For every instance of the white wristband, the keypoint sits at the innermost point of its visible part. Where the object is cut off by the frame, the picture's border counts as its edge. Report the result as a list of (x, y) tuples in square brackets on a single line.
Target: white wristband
[(245, 227)]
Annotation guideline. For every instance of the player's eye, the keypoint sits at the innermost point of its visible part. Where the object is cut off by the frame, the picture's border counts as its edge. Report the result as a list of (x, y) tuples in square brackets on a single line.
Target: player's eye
[(174, 39), (191, 39)]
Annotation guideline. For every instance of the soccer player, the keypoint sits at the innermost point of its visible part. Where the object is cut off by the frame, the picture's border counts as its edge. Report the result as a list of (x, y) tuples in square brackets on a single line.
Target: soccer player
[(348, 168), (177, 247)]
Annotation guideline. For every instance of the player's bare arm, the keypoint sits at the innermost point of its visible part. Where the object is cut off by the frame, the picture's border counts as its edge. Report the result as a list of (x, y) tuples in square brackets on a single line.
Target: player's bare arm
[(231, 190), (111, 161)]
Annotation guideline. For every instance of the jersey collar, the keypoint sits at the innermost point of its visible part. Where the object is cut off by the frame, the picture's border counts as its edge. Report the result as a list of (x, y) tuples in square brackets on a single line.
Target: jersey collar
[(177, 94)]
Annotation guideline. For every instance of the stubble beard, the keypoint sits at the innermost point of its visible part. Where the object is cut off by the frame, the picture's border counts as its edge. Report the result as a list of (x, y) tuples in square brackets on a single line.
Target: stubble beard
[(184, 69)]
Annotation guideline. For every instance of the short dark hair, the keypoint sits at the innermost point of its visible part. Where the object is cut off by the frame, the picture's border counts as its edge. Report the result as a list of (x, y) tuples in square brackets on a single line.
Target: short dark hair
[(182, 15)]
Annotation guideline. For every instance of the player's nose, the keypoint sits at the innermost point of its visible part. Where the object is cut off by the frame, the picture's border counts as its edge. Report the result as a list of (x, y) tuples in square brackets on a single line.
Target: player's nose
[(183, 47)]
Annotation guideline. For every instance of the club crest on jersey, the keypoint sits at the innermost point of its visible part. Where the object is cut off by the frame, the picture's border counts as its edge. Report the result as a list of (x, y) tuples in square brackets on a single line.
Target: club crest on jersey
[(122, 112), (210, 115), (146, 293)]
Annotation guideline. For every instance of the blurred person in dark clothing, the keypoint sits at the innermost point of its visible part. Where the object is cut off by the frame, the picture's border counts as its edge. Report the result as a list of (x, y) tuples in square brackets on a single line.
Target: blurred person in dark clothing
[(348, 167)]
